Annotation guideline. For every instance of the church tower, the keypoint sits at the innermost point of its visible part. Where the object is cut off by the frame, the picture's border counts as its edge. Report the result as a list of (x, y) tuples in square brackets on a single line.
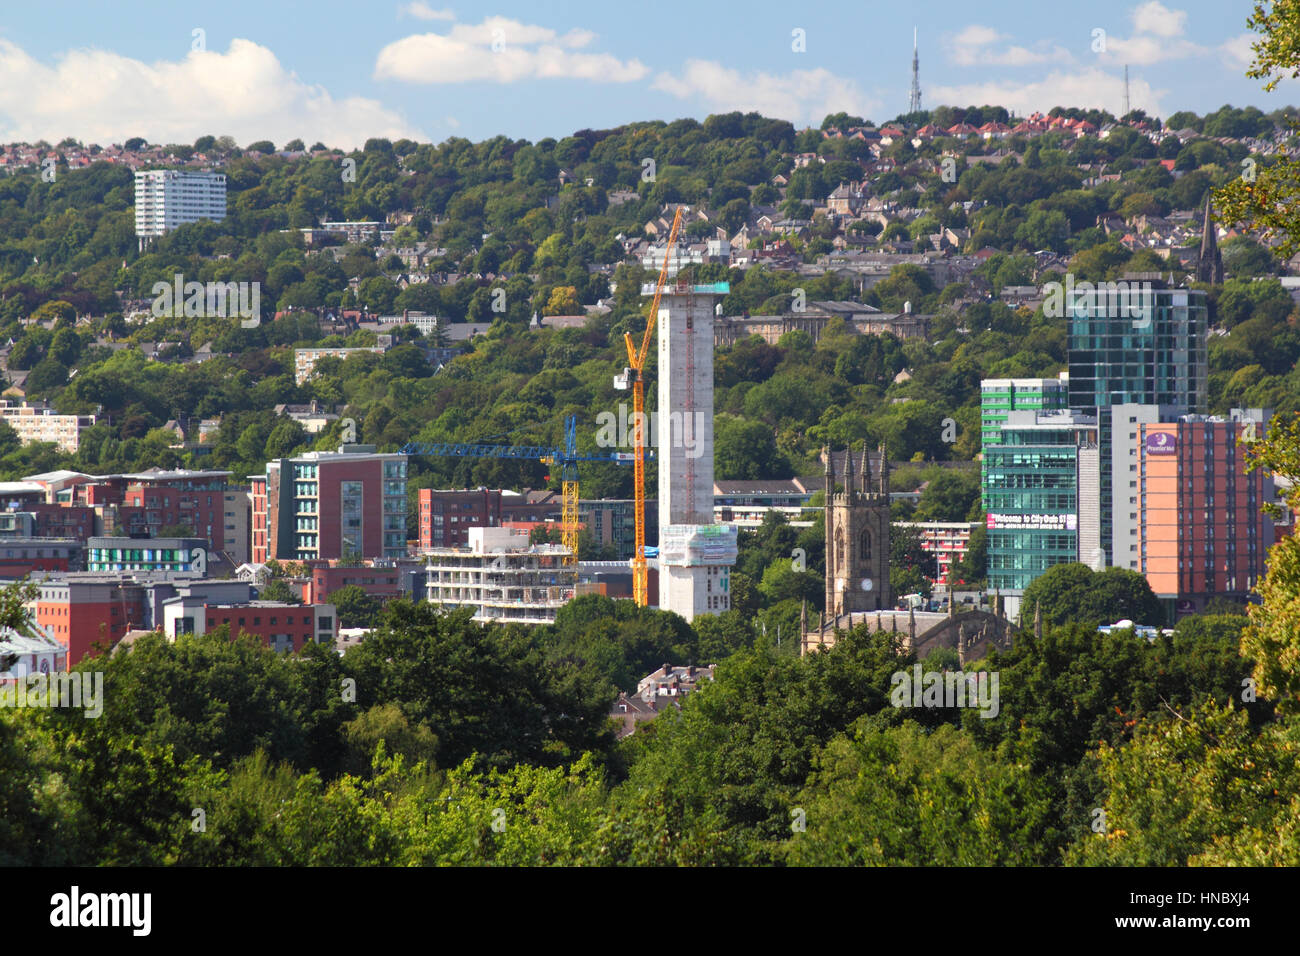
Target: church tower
[(857, 536)]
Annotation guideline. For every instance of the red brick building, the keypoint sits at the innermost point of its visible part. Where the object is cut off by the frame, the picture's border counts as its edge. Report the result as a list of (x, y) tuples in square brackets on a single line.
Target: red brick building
[(445, 517), (327, 577), (280, 626)]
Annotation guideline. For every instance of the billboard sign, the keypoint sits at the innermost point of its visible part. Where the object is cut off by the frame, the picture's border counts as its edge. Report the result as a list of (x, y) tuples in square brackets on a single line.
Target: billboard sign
[(1032, 522)]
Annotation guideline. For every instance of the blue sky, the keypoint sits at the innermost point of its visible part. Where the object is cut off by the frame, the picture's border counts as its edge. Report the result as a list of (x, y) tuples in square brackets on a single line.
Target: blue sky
[(343, 71)]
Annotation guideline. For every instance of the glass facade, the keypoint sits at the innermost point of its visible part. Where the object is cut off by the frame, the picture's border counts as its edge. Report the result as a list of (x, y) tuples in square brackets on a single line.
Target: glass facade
[(1031, 496), (1000, 396), (1154, 357)]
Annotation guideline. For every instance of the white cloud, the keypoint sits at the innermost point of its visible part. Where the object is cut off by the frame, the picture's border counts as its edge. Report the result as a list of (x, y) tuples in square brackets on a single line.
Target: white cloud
[(503, 51), (1143, 49), (1236, 52), (1158, 36), (976, 46), (99, 96), (422, 11), (801, 96), (1088, 88), (1155, 18)]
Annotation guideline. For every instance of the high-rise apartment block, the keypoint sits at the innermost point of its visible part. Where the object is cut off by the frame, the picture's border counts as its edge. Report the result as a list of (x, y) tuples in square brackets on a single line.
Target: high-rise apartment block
[(322, 505), (167, 198), (501, 576)]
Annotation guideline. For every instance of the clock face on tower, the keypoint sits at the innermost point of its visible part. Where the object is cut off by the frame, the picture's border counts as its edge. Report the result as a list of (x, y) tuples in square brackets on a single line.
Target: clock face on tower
[(866, 584)]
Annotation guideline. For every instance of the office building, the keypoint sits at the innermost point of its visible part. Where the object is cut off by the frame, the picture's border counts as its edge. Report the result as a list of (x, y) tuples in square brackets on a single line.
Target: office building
[(1040, 483), (168, 555), (143, 504), (327, 505), (1000, 396), (611, 522), (168, 198), (1142, 344)]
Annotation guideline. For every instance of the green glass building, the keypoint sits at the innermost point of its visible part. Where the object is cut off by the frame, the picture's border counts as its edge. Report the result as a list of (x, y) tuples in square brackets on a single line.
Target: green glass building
[(1000, 396), (1039, 493)]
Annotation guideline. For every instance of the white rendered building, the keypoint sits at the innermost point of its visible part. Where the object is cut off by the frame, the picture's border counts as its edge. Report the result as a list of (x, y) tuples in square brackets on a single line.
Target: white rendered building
[(167, 198), (501, 576)]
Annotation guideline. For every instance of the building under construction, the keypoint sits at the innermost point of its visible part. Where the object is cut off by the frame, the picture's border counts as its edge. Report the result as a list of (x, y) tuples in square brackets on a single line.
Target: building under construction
[(695, 554)]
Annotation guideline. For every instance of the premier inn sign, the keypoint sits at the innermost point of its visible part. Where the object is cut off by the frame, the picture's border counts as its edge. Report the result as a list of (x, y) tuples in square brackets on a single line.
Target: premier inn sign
[(1162, 443)]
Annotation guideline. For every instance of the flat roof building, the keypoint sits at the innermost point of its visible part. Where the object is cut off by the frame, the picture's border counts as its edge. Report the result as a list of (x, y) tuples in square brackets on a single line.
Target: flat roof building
[(502, 577), (168, 198)]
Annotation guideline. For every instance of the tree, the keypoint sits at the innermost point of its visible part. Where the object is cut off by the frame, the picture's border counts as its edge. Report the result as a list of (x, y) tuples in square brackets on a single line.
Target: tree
[(973, 566), (745, 449), (355, 607), (1074, 593), (1273, 638), (14, 598), (564, 301), (279, 589), (1268, 200)]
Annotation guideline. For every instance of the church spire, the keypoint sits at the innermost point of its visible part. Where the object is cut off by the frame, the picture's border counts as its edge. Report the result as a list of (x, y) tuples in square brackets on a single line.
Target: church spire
[(866, 471), (1209, 267), (848, 473)]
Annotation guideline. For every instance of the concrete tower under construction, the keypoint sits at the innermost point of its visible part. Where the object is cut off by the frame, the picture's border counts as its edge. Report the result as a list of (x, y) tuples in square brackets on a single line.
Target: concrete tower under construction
[(695, 554)]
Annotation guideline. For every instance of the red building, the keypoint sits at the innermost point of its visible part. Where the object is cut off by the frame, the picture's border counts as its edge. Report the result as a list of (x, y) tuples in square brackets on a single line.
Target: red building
[(327, 577), (88, 616), (1197, 528), (278, 625), (326, 505), (445, 517), (62, 521)]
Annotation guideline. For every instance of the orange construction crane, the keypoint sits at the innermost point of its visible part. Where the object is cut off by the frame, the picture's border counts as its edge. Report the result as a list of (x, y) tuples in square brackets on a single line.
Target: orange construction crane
[(634, 376)]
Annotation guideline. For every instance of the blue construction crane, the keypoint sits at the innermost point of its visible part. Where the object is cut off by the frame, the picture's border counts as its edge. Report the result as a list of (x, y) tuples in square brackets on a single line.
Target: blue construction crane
[(567, 458)]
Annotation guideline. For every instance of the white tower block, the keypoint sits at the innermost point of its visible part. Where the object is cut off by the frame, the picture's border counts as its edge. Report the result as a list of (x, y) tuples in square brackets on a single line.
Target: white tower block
[(695, 555)]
